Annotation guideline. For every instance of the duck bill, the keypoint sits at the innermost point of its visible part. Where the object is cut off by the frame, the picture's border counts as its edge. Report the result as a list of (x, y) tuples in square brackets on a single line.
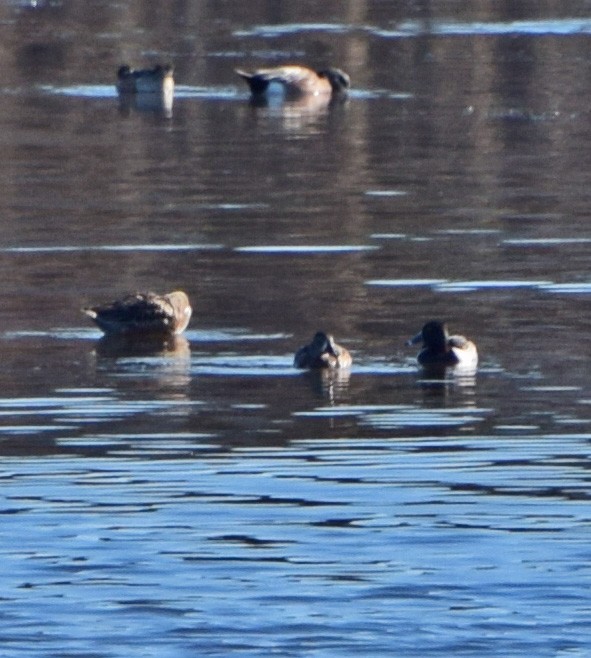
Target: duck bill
[(415, 339)]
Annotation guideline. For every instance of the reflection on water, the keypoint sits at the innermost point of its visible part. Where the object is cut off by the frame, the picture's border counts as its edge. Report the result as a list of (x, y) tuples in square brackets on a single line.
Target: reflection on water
[(441, 378), (124, 345), (201, 496), (162, 361), (299, 115), (329, 383), (157, 103)]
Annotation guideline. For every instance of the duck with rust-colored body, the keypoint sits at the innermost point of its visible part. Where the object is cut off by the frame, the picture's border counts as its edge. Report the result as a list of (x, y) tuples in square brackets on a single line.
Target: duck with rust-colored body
[(143, 313), (294, 81), (322, 352), (159, 79), (440, 349)]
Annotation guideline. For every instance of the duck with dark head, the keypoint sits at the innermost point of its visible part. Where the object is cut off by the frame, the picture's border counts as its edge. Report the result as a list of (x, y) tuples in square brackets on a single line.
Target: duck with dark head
[(157, 80), (440, 349), (322, 352)]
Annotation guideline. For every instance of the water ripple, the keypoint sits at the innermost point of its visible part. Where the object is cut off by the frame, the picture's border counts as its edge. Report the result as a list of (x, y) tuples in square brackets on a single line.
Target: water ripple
[(293, 28), (85, 91), (399, 416), (111, 247), (304, 249), (243, 365), (412, 28), (444, 285), (553, 26), (501, 284)]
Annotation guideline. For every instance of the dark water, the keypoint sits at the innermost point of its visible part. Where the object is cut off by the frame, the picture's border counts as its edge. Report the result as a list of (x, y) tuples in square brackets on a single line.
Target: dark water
[(205, 499)]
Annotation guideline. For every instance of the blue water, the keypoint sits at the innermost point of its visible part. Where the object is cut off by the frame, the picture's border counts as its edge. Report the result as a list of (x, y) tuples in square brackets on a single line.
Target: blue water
[(165, 546)]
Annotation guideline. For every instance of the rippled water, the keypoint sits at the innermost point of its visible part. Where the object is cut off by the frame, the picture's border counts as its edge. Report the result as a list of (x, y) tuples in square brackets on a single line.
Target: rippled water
[(200, 496)]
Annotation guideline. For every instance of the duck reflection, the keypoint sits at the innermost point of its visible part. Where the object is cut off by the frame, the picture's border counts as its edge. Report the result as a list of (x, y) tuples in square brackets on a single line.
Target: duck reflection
[(440, 380), (160, 363), (299, 115), (157, 103), (329, 384), (115, 346)]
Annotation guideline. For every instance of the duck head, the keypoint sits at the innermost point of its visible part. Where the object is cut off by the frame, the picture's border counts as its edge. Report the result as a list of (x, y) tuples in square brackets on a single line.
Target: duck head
[(339, 80), (433, 335)]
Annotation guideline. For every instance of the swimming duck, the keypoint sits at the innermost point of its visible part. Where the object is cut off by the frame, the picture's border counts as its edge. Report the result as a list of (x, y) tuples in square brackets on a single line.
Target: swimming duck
[(159, 79), (441, 349), (143, 313), (295, 81), (322, 352)]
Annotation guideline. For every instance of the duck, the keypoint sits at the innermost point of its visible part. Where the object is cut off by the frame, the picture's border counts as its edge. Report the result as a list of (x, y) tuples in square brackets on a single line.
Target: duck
[(441, 349), (143, 313), (159, 79), (322, 352), (295, 81)]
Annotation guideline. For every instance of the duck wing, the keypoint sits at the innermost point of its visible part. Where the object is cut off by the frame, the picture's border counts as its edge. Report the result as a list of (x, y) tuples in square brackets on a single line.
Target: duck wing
[(294, 78), (140, 312), (460, 342)]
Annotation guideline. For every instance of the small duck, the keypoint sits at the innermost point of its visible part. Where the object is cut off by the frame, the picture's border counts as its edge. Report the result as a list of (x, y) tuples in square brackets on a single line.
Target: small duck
[(143, 313), (322, 352), (441, 349), (295, 81), (159, 79)]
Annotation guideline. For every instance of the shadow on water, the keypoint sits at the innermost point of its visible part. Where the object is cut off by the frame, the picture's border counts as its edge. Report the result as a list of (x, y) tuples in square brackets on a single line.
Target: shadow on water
[(124, 345)]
